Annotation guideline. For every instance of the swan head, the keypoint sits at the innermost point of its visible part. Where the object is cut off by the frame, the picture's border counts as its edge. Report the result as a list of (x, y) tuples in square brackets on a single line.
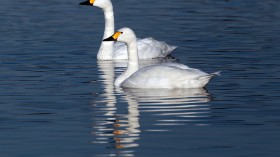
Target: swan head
[(98, 3), (124, 35)]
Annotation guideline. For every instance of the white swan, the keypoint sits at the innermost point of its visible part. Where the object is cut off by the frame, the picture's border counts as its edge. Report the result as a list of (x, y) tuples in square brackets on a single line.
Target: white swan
[(166, 75), (148, 47)]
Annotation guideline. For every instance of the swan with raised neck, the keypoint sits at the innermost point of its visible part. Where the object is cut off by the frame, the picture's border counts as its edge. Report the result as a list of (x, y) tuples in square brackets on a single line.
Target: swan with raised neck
[(148, 47), (165, 75)]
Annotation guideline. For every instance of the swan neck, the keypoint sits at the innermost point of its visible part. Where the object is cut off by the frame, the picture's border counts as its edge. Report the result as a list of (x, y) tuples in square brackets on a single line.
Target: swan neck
[(133, 61), (109, 21), (106, 48)]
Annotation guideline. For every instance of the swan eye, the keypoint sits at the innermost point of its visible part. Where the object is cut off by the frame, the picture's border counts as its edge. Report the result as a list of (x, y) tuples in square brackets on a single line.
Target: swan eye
[(121, 32)]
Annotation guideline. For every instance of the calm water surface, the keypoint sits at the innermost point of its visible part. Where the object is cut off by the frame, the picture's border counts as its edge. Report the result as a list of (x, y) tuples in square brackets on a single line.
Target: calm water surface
[(56, 100)]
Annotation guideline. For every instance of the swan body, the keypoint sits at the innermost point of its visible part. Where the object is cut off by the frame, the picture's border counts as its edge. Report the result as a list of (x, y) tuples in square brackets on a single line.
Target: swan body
[(165, 75), (148, 48)]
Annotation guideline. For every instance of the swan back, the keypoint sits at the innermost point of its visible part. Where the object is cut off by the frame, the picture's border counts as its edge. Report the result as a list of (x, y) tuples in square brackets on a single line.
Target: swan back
[(166, 76)]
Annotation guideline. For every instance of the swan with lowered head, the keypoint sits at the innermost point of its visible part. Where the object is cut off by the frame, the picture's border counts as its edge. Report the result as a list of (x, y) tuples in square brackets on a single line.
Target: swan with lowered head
[(166, 75), (148, 47)]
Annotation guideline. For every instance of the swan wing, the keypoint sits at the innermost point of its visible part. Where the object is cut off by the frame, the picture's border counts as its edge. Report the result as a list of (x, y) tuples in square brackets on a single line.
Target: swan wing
[(148, 48), (163, 76), (165, 48)]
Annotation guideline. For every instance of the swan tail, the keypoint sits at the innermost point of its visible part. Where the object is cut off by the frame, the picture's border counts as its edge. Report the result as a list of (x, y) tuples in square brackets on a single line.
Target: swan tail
[(170, 48), (209, 76), (206, 78), (217, 73)]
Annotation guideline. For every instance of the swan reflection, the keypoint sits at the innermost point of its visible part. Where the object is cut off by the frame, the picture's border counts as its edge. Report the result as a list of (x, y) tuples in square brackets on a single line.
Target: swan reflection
[(172, 107), (120, 130)]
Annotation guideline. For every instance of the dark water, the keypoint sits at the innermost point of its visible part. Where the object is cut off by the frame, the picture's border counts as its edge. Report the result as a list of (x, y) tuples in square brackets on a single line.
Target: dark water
[(56, 100)]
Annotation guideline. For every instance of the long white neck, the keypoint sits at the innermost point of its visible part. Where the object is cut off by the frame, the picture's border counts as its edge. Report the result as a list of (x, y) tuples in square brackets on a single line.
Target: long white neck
[(106, 48), (132, 64)]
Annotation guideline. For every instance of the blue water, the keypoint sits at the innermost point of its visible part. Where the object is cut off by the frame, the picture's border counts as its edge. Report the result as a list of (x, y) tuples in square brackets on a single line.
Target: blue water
[(57, 100)]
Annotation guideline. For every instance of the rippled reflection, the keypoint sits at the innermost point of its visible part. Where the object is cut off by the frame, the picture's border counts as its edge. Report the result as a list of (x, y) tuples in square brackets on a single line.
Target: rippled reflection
[(110, 127), (173, 107)]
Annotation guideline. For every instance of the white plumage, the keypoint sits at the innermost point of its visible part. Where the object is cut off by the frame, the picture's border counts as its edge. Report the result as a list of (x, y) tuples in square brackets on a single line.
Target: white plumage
[(165, 75), (148, 48)]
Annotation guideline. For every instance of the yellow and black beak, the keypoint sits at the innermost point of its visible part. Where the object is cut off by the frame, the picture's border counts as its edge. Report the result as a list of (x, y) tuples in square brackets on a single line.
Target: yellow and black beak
[(114, 37), (88, 2)]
